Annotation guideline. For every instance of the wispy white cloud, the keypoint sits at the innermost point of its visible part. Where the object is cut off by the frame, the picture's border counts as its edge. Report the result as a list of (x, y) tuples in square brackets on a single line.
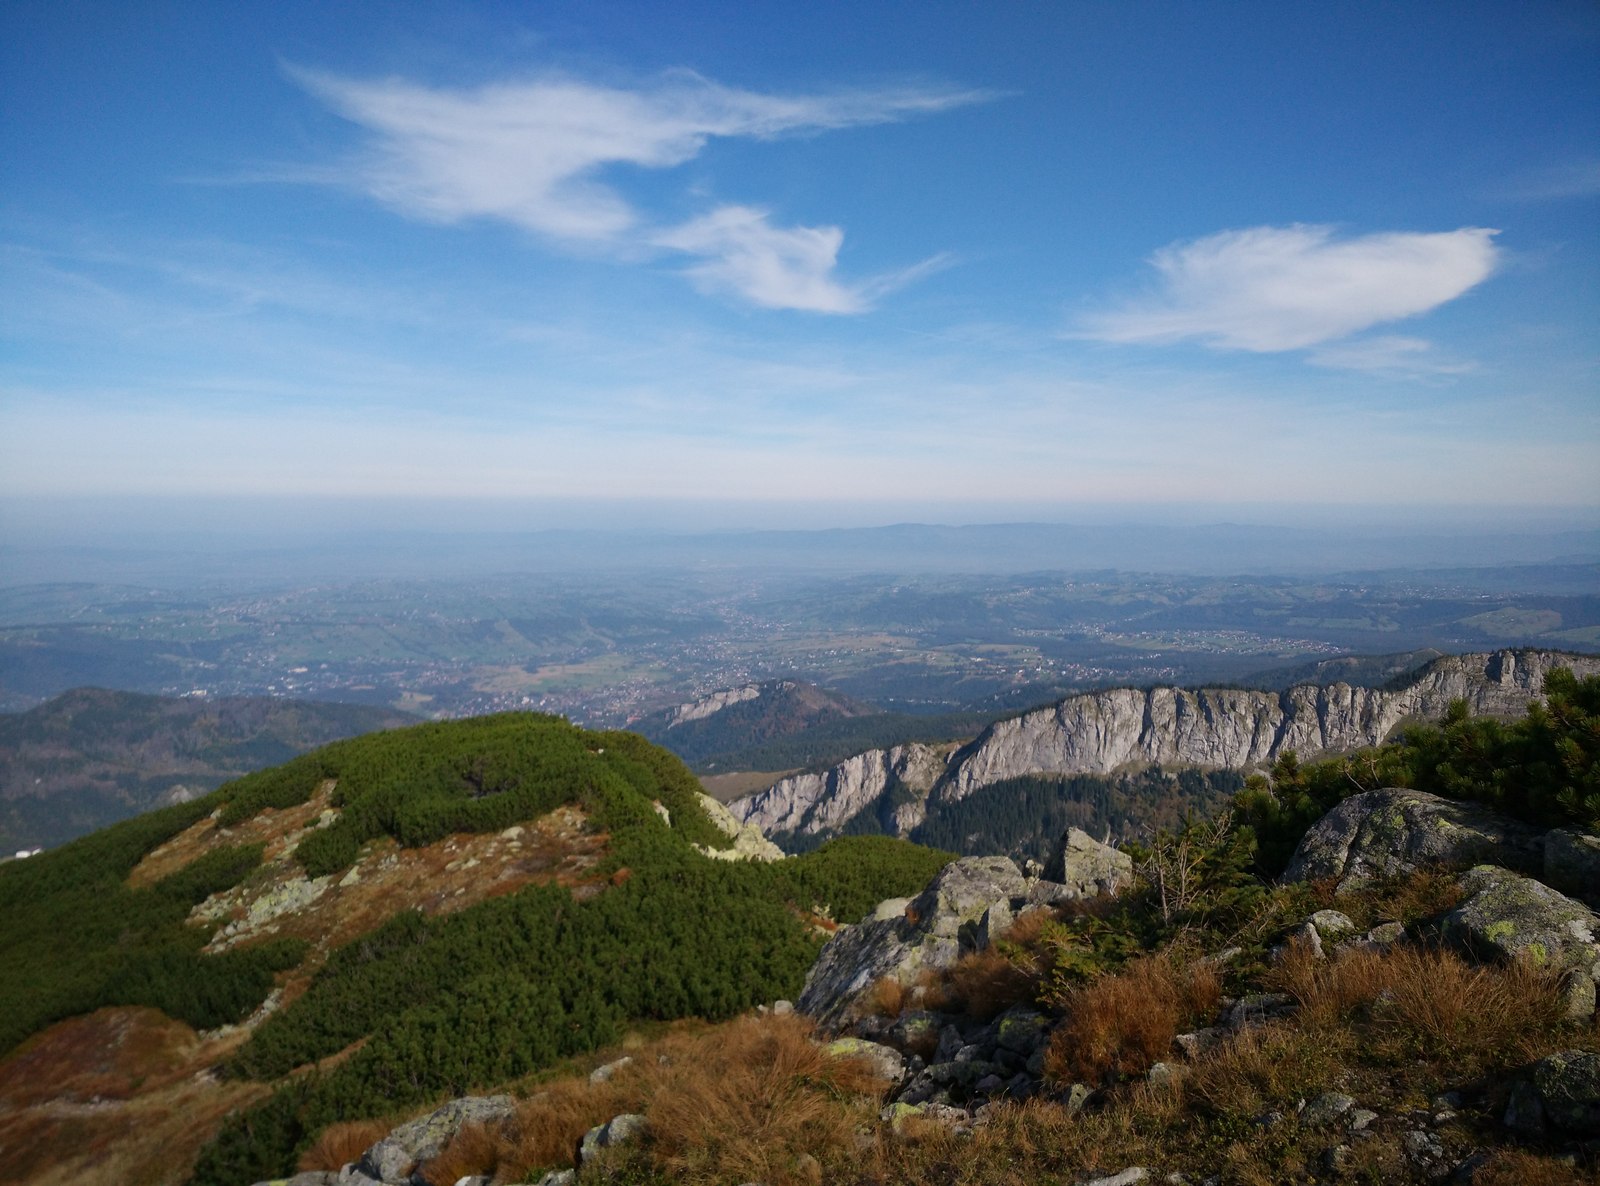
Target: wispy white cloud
[(534, 154), (779, 267), (1288, 288), (1388, 354), (1575, 179)]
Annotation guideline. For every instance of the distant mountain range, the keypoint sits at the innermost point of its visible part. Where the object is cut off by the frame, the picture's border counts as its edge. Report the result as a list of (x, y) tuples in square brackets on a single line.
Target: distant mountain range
[(1214, 548), (93, 756), (787, 724)]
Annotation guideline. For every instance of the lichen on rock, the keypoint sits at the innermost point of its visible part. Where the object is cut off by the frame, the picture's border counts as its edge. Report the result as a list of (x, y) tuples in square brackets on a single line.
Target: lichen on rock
[(1396, 831), (1510, 917)]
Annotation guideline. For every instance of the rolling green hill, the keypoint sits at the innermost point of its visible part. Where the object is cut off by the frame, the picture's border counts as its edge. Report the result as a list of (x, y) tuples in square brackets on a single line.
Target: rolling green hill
[(443, 990)]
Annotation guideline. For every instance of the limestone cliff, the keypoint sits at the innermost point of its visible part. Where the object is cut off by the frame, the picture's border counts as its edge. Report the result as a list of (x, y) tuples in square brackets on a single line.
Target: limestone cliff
[(1102, 732), (706, 706), (826, 801)]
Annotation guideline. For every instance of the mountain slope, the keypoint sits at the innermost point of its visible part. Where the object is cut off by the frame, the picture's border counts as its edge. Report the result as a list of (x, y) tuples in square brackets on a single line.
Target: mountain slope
[(739, 718), (418, 912), (92, 756), (1103, 733)]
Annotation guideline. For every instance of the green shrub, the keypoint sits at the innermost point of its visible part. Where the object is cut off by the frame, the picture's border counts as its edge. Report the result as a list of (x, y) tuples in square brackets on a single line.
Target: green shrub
[(1543, 768)]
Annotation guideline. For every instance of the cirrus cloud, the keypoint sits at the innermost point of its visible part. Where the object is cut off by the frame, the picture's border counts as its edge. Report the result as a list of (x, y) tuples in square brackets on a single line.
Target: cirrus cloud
[(535, 155), (1269, 289)]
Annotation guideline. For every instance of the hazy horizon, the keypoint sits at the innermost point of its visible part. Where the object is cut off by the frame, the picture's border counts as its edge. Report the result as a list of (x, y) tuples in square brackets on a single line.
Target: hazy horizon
[(184, 542)]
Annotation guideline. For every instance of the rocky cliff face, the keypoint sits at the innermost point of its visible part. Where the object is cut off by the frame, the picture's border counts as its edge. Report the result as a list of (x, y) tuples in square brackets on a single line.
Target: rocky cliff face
[(1098, 733), (706, 706), (826, 801), (1102, 732)]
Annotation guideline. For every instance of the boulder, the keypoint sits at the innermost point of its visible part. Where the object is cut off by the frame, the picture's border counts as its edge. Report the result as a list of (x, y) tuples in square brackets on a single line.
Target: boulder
[(1087, 867), (393, 1158), (617, 1131), (1331, 924), (931, 932), (1578, 994), (916, 1031), (1020, 1030), (1568, 1085), (1326, 1109), (963, 890), (351, 1175), (1396, 831), (602, 1073), (1572, 863), (885, 1061), (1509, 916), (996, 921), (1131, 1176)]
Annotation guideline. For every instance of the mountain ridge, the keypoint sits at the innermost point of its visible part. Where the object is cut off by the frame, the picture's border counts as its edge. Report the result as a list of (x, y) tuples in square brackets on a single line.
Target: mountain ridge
[(702, 730), (1117, 729)]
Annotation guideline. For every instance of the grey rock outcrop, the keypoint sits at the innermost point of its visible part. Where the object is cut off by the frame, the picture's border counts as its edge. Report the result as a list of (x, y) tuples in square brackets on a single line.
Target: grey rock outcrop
[(1395, 830), (748, 842), (1103, 732), (927, 934), (1087, 867), (1572, 863), (1568, 1085), (1509, 917), (825, 801), (966, 906), (707, 706), (395, 1157)]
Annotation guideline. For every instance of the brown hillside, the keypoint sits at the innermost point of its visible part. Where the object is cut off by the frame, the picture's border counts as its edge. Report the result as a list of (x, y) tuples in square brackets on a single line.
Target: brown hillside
[(127, 1096)]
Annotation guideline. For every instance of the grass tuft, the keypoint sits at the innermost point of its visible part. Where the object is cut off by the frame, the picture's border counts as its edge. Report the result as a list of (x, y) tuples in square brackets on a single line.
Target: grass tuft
[(1121, 1023), (340, 1144), (990, 981)]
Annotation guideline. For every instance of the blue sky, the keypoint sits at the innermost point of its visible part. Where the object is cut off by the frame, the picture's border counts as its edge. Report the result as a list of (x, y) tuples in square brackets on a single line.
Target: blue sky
[(952, 262)]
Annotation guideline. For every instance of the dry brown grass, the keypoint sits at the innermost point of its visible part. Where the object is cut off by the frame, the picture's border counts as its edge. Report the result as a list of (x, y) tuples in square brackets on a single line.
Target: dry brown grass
[(1027, 931), (475, 1149), (888, 997), (755, 1099), (1451, 1009), (340, 1144), (1516, 1167), (1421, 1001), (1263, 1066), (1330, 991), (549, 1125), (1121, 1023), (928, 991), (749, 1105), (990, 981)]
